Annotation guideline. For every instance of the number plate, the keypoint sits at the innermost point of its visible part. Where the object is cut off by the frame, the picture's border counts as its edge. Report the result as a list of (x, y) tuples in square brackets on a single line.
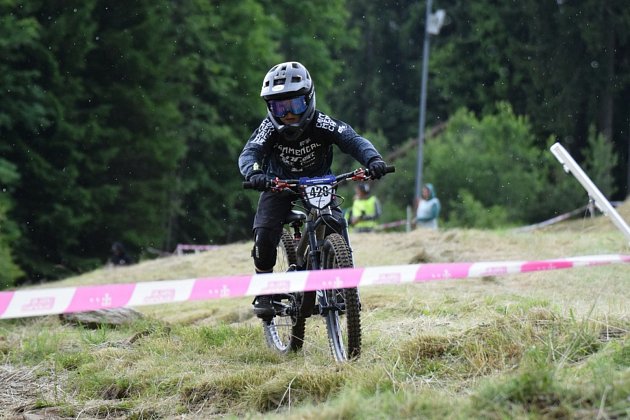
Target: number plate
[(320, 195)]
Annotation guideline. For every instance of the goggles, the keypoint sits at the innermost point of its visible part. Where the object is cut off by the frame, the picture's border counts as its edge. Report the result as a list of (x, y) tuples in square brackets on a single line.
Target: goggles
[(280, 108)]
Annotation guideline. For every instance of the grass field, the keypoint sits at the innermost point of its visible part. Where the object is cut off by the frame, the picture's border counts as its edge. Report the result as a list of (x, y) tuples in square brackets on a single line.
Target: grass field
[(549, 344)]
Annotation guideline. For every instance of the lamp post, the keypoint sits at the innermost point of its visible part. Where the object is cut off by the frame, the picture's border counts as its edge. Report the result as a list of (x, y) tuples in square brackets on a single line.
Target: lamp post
[(433, 24)]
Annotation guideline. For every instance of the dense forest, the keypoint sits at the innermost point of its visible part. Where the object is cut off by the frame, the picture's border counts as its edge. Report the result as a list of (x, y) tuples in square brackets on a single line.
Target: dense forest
[(123, 120)]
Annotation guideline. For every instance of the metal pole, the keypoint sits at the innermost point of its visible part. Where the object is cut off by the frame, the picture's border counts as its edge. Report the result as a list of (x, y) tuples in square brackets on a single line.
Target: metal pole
[(423, 99), (628, 160)]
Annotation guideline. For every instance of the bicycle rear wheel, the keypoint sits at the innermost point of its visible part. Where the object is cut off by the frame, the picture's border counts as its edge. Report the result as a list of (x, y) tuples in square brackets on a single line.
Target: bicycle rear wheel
[(285, 331), (345, 343)]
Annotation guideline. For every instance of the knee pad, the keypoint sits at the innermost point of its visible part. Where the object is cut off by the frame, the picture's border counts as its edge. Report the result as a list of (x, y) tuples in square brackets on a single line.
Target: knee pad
[(264, 251)]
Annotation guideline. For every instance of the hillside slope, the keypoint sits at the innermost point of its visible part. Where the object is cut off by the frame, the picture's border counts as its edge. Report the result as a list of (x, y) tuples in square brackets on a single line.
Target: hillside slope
[(576, 237), (581, 236), (537, 345)]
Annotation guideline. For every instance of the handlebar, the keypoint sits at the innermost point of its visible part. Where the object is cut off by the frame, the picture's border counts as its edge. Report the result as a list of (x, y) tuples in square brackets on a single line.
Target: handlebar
[(359, 174)]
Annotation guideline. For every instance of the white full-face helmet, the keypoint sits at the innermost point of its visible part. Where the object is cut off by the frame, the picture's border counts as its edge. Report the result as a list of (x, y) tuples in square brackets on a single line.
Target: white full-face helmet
[(288, 87)]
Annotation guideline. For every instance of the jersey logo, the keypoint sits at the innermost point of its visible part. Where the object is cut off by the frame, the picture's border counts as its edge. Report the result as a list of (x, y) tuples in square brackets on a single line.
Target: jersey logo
[(264, 132), (298, 158), (325, 122)]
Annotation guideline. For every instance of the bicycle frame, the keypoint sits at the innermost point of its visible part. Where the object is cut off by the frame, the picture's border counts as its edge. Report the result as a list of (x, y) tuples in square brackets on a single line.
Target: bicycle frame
[(309, 231), (312, 233), (317, 218), (319, 241)]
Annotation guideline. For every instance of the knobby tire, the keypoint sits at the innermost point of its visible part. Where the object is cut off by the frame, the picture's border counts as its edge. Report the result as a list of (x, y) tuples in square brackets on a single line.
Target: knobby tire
[(345, 343)]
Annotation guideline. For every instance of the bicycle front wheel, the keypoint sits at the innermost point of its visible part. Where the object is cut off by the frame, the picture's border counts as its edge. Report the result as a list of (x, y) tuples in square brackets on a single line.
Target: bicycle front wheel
[(345, 342), (285, 331)]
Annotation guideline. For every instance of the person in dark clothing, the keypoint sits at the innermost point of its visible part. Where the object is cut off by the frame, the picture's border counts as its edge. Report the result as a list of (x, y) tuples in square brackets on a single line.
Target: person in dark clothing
[(119, 255), (294, 140)]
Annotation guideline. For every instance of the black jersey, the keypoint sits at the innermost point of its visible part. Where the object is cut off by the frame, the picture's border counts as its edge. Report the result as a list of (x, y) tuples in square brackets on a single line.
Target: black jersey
[(310, 155)]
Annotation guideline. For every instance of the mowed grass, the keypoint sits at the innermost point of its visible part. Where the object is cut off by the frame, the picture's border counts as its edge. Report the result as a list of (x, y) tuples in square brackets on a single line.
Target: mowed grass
[(550, 344)]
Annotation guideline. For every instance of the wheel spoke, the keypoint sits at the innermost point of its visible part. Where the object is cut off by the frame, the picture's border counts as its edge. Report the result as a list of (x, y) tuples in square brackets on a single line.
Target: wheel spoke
[(285, 331)]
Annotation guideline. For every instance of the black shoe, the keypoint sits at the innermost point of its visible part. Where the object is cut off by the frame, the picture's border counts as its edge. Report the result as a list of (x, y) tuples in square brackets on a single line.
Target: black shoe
[(263, 307)]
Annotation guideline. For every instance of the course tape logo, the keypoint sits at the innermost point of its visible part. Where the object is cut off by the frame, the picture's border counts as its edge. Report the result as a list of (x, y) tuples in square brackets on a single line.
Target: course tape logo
[(35, 302)]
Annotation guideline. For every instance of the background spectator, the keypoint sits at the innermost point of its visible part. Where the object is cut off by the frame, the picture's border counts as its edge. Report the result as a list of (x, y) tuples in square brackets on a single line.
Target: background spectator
[(119, 255), (428, 208)]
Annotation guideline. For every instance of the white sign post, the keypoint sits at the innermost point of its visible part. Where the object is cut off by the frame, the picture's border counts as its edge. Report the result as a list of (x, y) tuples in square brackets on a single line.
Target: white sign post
[(570, 165)]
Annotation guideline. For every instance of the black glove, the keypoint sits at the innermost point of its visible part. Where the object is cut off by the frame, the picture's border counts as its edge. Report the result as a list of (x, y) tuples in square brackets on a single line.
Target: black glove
[(377, 168), (258, 180)]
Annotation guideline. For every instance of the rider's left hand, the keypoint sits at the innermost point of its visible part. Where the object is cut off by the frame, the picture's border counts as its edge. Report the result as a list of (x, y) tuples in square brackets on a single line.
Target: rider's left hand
[(377, 167)]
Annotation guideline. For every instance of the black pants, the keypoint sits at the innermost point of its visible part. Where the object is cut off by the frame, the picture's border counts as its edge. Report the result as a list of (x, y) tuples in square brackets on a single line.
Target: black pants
[(273, 209)]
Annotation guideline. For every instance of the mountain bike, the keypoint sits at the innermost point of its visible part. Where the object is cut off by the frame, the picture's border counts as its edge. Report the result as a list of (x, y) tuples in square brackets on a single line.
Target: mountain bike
[(315, 237)]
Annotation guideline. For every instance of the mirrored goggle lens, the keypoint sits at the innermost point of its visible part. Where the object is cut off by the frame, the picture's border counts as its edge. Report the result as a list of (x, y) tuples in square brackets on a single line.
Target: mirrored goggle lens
[(295, 106)]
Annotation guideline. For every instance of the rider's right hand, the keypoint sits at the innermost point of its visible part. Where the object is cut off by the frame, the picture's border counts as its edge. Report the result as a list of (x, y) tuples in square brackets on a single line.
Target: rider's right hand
[(258, 180)]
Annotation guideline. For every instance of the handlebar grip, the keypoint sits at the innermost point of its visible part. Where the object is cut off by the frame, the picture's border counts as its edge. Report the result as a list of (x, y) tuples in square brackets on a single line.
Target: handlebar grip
[(249, 186), (390, 169)]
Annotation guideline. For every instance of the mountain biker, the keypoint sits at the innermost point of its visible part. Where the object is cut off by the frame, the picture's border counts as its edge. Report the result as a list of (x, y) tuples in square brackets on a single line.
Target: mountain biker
[(294, 140)]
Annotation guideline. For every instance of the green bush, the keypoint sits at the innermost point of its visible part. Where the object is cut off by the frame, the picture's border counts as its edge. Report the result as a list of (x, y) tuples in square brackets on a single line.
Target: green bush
[(600, 161), (494, 159), (490, 172), (466, 211)]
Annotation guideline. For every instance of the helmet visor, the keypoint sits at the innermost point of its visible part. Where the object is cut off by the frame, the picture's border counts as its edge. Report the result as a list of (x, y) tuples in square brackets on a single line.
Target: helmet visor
[(280, 108)]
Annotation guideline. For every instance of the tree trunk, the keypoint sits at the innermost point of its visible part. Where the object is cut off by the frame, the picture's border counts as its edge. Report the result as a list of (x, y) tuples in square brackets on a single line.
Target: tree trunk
[(606, 109)]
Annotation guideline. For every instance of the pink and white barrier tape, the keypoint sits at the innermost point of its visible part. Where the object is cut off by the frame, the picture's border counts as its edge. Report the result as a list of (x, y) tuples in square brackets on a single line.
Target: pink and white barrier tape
[(35, 302)]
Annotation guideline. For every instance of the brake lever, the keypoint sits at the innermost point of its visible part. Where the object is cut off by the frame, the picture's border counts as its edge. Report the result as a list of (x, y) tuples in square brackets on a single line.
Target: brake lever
[(278, 185), (388, 170), (360, 174)]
